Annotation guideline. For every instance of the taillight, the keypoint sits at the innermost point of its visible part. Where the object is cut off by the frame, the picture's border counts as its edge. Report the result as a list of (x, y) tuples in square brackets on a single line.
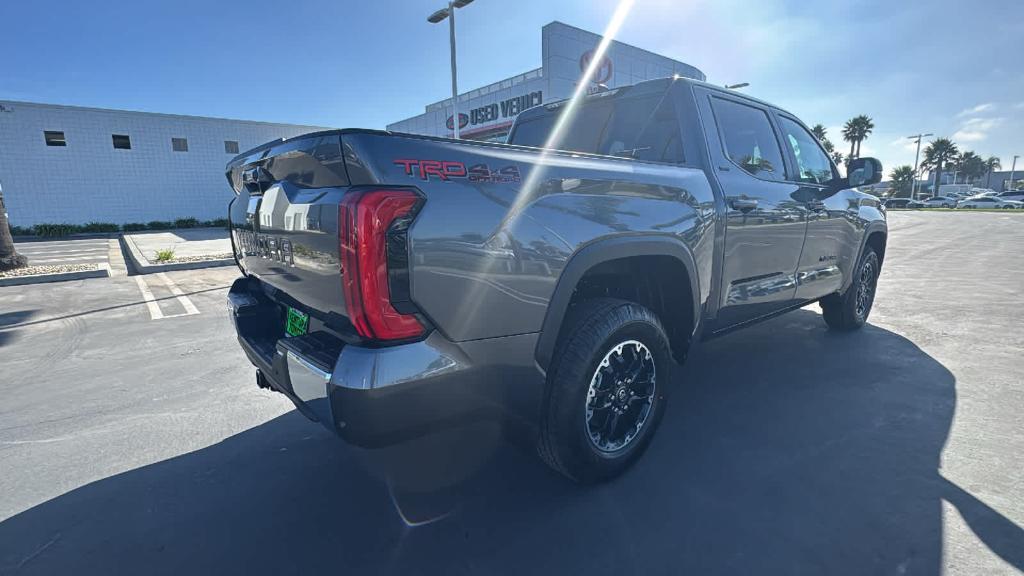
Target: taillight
[(365, 221)]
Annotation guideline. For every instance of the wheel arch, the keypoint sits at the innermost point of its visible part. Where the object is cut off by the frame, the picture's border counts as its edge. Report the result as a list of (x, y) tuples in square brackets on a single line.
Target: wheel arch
[(610, 252)]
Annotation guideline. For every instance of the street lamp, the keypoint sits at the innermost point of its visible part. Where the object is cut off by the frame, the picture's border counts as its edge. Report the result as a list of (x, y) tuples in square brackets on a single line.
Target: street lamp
[(434, 18), (1013, 169), (913, 185), (735, 86)]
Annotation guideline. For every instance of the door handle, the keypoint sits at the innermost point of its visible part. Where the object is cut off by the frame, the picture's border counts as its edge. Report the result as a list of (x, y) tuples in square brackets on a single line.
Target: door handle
[(743, 204)]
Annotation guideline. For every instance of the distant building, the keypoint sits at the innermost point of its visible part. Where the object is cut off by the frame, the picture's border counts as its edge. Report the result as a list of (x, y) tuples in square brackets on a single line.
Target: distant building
[(68, 164), (487, 113)]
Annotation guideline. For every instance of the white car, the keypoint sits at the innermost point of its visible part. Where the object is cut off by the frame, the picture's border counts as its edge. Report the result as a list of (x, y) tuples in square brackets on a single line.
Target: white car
[(1015, 195), (938, 202), (989, 202)]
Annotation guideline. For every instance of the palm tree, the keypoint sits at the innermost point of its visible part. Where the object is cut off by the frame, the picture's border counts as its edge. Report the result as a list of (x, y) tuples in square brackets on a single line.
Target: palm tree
[(992, 164), (855, 131), (971, 165), (939, 152), (850, 135), (9, 257), (837, 157), (819, 132), (902, 178)]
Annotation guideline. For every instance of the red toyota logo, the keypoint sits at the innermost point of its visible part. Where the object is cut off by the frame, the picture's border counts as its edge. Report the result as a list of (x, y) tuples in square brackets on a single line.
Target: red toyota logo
[(604, 70), (463, 121)]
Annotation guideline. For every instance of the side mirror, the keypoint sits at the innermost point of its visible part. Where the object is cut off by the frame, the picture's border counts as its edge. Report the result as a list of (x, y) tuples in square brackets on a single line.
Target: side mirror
[(864, 171)]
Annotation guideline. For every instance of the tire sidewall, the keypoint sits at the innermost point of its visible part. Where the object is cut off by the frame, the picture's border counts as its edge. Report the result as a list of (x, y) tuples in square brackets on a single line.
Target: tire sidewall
[(868, 256), (572, 407)]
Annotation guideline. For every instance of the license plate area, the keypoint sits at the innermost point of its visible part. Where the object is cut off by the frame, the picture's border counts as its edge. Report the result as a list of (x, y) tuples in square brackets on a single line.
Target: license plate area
[(296, 322)]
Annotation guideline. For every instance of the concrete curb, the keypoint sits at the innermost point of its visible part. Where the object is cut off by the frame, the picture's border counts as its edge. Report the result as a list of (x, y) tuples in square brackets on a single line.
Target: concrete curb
[(102, 272), (143, 266)]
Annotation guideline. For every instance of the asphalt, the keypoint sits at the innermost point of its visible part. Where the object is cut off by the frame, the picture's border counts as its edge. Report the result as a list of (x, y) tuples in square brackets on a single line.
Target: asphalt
[(134, 444)]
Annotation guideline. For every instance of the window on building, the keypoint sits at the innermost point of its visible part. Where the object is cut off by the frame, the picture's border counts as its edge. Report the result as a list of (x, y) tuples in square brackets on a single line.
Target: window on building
[(231, 146), (179, 144), (122, 141), (54, 138), (749, 139)]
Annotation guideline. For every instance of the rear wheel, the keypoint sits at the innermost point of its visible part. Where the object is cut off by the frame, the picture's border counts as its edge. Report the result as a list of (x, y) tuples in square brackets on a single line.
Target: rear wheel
[(606, 390), (850, 310)]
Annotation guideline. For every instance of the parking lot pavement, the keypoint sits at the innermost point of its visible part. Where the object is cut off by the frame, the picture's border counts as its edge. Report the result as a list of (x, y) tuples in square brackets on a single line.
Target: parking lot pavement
[(131, 443), (64, 252)]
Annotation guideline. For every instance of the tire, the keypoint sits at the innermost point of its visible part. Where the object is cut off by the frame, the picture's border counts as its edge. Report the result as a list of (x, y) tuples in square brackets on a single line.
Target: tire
[(579, 404), (847, 311), (945, 205)]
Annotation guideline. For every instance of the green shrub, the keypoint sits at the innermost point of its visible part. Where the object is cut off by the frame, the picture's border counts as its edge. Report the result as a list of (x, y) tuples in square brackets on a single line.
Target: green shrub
[(54, 230), (186, 223), (19, 231), (99, 227), (160, 225), (218, 223), (133, 226), (165, 255)]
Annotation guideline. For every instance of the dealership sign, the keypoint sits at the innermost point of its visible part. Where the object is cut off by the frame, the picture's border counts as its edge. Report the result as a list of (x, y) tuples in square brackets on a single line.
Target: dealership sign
[(603, 71), (499, 110)]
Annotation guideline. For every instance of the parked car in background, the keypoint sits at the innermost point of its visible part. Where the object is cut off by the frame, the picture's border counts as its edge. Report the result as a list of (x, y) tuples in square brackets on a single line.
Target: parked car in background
[(1015, 195), (989, 202), (896, 202), (937, 202)]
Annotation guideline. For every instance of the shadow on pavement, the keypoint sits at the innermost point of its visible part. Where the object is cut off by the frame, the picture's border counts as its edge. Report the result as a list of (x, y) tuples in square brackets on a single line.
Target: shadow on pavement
[(786, 449)]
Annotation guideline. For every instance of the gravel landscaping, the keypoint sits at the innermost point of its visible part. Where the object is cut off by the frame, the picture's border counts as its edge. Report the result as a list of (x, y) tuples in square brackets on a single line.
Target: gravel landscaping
[(39, 270), (202, 258)]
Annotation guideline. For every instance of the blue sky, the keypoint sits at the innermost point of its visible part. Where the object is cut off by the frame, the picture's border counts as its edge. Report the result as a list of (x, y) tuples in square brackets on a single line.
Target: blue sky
[(955, 68)]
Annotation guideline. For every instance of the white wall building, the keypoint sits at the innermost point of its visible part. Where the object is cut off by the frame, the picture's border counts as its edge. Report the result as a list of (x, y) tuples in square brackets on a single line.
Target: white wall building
[(487, 113), (67, 164)]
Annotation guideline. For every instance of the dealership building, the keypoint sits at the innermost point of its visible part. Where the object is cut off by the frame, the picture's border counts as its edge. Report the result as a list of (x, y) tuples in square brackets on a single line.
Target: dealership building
[(487, 113), (68, 164)]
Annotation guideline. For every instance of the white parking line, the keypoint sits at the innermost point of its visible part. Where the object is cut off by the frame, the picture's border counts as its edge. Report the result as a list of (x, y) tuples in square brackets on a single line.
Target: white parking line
[(155, 312), (190, 308), (147, 295)]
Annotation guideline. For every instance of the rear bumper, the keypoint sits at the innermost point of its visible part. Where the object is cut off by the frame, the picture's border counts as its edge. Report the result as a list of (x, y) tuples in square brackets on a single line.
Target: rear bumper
[(380, 396)]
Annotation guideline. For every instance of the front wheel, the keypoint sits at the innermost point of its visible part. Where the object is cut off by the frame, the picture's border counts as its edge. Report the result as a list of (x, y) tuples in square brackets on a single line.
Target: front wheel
[(607, 389), (850, 310)]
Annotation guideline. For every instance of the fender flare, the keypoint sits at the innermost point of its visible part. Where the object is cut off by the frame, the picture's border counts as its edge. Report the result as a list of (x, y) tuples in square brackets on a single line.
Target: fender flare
[(598, 252), (871, 228)]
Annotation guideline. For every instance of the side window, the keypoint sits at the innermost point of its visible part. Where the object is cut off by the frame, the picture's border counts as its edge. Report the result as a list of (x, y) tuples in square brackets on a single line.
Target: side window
[(645, 129), (749, 139), (812, 162)]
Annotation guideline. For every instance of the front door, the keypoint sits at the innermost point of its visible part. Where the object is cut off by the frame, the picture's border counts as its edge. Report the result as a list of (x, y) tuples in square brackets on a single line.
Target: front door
[(832, 245), (765, 223)]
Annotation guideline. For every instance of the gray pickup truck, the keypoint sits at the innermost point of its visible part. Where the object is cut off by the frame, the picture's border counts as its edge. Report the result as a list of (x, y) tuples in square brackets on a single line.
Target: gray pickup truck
[(394, 284)]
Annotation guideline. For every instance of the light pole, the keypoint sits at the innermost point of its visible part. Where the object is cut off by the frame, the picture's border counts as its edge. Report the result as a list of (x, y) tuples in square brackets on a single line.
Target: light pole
[(1013, 168), (917, 155), (434, 18)]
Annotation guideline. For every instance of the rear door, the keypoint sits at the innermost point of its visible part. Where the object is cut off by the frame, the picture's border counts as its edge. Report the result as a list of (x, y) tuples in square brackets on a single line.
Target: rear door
[(765, 223)]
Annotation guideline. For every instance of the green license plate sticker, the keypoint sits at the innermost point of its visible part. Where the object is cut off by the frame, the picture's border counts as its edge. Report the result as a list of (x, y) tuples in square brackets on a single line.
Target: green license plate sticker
[(298, 322)]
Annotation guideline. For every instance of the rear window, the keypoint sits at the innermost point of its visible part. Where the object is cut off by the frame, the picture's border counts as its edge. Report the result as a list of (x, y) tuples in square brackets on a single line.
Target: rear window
[(643, 128)]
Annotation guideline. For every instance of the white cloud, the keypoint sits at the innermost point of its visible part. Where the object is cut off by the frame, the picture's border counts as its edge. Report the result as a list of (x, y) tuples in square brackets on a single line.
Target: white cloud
[(1019, 106), (979, 109), (906, 144), (975, 129)]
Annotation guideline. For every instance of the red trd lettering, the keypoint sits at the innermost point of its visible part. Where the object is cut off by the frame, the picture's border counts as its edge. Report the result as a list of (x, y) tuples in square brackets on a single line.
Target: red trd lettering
[(409, 165), (430, 168)]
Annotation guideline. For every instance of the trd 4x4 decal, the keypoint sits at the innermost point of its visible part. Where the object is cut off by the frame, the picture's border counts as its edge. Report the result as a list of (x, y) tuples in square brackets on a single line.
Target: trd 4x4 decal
[(447, 169)]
